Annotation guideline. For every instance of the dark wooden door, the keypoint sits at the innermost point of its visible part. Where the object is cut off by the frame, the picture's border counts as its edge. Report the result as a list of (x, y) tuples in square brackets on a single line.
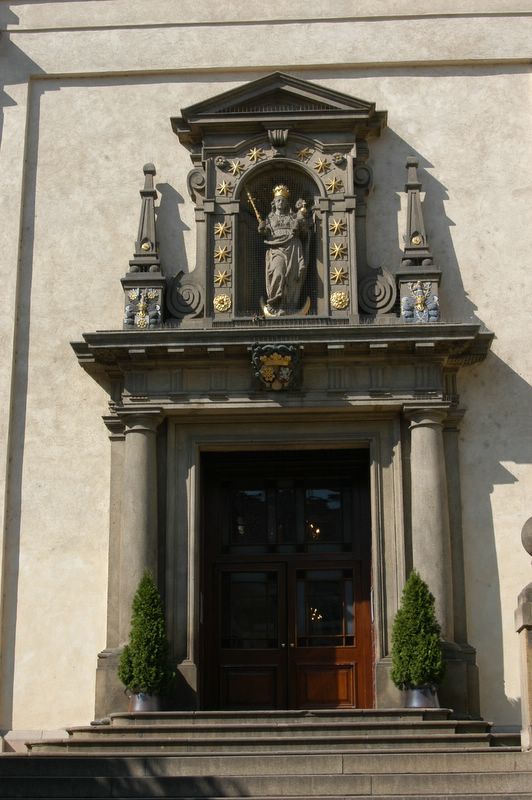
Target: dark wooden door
[(286, 583)]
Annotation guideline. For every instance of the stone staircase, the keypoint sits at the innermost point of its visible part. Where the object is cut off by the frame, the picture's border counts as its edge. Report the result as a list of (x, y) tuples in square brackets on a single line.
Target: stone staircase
[(398, 753)]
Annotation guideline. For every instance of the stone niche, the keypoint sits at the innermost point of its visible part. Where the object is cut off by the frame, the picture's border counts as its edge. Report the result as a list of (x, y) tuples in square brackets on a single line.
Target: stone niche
[(280, 132), (214, 361)]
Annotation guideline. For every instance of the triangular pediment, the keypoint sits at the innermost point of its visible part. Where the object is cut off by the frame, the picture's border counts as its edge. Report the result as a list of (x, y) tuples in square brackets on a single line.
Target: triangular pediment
[(277, 92), (278, 99)]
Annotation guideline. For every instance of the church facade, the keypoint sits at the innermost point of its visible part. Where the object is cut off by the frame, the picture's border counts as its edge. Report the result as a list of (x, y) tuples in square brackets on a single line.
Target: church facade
[(305, 339)]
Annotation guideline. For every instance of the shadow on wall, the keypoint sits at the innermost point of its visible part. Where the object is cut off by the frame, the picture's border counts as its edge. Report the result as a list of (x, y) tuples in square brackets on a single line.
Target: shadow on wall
[(15, 66), (495, 434), (385, 231), (170, 230)]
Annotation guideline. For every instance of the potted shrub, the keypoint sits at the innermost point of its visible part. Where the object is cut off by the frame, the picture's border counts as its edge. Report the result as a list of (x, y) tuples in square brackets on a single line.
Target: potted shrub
[(144, 664), (417, 660)]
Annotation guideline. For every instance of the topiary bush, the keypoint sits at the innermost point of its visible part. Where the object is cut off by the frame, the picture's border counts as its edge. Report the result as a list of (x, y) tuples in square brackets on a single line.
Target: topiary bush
[(417, 658), (144, 663)]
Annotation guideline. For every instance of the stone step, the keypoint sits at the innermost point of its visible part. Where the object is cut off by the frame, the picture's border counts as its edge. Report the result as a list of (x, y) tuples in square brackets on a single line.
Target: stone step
[(276, 763), (225, 744), (421, 785), (274, 717), (280, 729)]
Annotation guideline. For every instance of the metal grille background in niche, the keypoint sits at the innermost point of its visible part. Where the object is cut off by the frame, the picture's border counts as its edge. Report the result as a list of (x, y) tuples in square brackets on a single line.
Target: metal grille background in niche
[(250, 285)]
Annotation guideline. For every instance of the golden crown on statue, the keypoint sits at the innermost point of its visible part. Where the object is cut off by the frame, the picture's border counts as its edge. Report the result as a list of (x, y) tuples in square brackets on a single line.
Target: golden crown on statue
[(281, 191)]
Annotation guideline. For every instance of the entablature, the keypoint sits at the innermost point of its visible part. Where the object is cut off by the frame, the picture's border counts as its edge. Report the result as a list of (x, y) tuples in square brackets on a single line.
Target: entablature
[(363, 364)]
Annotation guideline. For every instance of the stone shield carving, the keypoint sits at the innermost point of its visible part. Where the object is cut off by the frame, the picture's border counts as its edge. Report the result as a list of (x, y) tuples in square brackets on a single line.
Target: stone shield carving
[(276, 366)]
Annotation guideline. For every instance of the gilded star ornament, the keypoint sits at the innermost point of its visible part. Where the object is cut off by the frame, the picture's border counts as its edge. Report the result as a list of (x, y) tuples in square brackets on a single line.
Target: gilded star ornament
[(222, 277), (222, 230), (338, 275), (334, 185), (338, 251), (256, 153), (304, 154), (225, 188), (337, 227), (222, 254), (322, 166), (236, 167)]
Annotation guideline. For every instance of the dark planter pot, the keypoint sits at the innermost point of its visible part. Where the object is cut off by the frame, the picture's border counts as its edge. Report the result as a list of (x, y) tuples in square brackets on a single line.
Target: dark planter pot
[(421, 697), (140, 701)]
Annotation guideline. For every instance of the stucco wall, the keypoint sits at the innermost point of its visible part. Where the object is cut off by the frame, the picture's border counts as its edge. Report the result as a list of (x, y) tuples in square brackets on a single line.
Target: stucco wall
[(89, 89)]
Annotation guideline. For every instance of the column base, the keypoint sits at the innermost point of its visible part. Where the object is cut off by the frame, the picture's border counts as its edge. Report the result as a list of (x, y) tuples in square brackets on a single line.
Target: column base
[(459, 689), (110, 695), (387, 695)]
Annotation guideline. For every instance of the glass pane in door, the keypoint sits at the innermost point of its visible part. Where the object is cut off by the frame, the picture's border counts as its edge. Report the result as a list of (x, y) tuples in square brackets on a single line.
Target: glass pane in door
[(249, 609), (325, 615), (324, 526)]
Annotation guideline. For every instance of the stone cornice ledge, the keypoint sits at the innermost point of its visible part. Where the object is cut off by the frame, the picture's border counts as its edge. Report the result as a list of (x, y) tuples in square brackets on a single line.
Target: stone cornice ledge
[(451, 344)]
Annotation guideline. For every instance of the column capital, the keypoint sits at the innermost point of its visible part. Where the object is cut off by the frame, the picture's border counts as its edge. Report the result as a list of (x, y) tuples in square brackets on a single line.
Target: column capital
[(425, 416), (140, 420), (115, 426), (454, 418)]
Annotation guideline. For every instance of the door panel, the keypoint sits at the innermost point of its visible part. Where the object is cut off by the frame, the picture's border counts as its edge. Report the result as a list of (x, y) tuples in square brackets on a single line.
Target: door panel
[(252, 620), (287, 582), (323, 685)]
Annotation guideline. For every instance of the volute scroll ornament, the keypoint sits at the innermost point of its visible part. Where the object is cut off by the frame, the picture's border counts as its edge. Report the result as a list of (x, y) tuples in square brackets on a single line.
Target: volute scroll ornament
[(196, 185), (377, 292), (185, 296)]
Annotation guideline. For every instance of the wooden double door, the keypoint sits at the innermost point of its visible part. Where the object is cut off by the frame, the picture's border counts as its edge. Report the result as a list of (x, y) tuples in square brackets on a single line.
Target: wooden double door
[(286, 584)]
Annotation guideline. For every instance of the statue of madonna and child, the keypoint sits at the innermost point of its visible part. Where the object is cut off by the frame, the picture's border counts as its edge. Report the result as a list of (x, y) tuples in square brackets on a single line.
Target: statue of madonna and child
[(287, 240)]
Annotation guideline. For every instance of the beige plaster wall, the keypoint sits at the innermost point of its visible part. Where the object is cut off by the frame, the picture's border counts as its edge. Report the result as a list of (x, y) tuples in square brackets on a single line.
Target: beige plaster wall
[(84, 109)]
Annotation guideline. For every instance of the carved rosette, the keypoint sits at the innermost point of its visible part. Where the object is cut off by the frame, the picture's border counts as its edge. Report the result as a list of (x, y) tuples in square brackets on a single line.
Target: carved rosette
[(277, 367), (222, 303), (340, 300)]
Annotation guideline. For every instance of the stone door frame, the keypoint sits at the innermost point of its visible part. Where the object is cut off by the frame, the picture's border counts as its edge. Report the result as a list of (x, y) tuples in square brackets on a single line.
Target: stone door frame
[(187, 441)]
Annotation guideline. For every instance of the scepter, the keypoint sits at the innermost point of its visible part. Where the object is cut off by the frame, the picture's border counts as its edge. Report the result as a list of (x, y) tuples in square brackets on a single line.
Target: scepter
[(254, 207)]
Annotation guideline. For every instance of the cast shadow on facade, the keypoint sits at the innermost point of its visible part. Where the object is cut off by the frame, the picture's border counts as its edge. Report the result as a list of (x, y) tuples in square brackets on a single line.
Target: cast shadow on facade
[(170, 230), (17, 419), (385, 238), (16, 66), (494, 386)]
